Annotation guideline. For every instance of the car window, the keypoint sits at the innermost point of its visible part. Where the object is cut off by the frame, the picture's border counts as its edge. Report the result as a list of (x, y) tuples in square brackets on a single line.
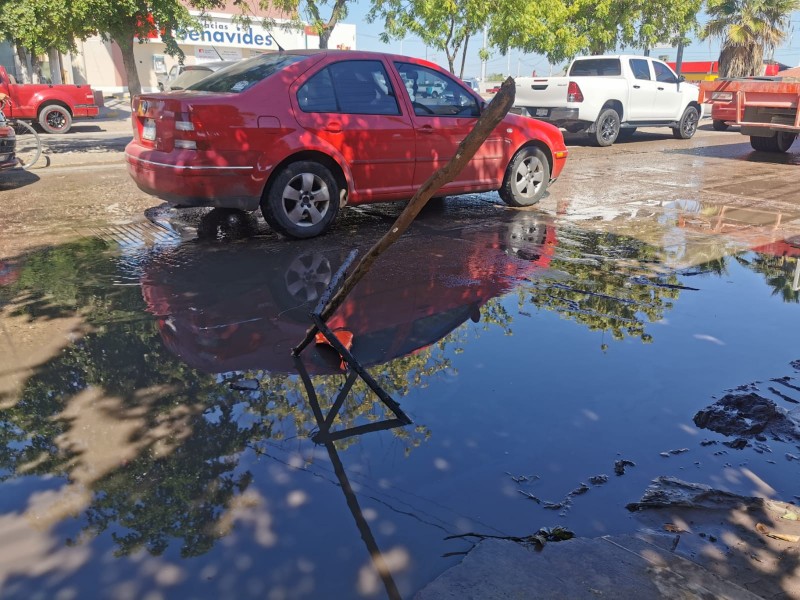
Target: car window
[(602, 67), (247, 73), (663, 73), (358, 87), (317, 95), (189, 77), (434, 94), (640, 68)]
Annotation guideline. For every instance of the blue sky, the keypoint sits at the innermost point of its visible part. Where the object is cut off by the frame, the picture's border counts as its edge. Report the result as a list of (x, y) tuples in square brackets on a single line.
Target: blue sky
[(517, 63)]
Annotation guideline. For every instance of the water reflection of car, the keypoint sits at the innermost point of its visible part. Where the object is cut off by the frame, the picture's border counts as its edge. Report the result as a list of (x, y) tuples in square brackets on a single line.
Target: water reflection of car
[(226, 308), (302, 133)]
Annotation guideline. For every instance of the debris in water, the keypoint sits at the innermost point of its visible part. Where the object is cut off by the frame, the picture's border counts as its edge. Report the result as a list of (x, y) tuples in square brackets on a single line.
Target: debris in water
[(598, 479), (619, 466), (763, 530), (245, 385), (746, 416)]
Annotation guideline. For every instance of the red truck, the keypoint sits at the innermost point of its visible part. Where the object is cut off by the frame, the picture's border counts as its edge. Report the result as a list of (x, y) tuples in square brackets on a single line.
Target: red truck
[(767, 109), (52, 106)]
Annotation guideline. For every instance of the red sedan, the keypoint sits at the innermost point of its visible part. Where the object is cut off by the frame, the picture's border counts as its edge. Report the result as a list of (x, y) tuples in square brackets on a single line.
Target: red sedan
[(302, 133)]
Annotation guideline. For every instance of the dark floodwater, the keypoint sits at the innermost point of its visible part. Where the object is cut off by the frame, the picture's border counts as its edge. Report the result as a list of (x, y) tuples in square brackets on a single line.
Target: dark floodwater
[(167, 452)]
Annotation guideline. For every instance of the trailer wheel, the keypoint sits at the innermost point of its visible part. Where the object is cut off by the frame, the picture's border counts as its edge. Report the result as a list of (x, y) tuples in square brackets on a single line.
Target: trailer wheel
[(780, 142), (719, 125), (54, 118)]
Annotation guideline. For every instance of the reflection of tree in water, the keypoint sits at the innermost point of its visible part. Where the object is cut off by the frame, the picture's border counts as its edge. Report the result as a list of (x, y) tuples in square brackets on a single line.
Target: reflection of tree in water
[(607, 283), (780, 273), (182, 478)]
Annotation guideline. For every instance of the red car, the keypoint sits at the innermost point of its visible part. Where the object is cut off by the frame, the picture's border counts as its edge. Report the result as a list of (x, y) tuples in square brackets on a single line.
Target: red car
[(302, 133)]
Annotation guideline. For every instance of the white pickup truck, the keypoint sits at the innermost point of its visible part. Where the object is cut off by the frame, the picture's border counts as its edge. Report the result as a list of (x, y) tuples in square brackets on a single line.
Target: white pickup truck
[(608, 97)]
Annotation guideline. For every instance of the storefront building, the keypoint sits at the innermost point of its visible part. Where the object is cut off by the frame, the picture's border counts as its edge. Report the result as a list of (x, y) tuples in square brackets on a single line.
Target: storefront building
[(99, 63)]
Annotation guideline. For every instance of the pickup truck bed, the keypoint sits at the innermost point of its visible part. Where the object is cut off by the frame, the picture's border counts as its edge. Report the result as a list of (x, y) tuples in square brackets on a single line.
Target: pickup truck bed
[(53, 107)]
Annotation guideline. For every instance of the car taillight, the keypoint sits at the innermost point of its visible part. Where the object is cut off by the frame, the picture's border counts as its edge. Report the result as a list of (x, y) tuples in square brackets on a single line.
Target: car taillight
[(722, 96), (189, 135), (574, 93)]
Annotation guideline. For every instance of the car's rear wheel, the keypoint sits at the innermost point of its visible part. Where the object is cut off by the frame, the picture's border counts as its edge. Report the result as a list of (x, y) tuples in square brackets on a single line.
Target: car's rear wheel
[(526, 179), (54, 118), (687, 126), (302, 201), (780, 142), (719, 125), (606, 128)]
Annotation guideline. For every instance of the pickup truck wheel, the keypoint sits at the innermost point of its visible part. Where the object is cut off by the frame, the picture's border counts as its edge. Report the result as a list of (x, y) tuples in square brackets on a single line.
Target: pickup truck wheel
[(302, 201), (719, 125), (526, 179), (688, 124), (54, 118), (780, 142), (606, 128)]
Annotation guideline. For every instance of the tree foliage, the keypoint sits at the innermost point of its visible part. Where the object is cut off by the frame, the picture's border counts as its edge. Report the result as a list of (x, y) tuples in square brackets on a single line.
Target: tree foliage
[(557, 29), (749, 30)]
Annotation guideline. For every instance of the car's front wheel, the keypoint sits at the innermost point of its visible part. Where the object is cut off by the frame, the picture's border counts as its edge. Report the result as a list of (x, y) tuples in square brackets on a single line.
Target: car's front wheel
[(526, 179), (302, 201), (687, 126), (606, 128)]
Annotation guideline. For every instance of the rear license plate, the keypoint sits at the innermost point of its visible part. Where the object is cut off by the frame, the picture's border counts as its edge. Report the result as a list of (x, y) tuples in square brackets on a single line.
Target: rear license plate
[(542, 112), (149, 130)]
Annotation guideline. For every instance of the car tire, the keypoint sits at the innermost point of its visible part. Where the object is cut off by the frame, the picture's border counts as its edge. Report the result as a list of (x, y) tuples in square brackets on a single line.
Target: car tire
[(626, 133), (687, 126), (606, 128), (302, 201), (719, 125), (54, 118), (526, 179), (780, 142)]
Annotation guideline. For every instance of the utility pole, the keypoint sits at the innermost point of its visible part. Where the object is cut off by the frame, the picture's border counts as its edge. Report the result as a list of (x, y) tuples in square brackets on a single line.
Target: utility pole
[(679, 57)]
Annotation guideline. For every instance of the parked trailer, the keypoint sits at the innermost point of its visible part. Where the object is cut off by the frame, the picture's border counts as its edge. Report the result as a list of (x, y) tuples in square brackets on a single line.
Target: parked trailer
[(766, 109)]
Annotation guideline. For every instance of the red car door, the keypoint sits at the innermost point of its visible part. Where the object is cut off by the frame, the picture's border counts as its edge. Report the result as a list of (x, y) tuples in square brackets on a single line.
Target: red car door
[(441, 122), (353, 106)]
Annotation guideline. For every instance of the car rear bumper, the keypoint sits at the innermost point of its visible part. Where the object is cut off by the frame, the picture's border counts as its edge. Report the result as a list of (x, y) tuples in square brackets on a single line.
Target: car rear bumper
[(192, 184)]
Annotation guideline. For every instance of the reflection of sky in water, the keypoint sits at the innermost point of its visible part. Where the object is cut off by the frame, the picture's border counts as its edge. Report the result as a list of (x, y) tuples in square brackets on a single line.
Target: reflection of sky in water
[(529, 390)]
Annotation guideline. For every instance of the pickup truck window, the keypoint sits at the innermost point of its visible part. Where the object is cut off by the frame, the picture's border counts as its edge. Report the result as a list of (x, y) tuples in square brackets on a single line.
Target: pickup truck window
[(640, 68), (602, 67), (663, 73)]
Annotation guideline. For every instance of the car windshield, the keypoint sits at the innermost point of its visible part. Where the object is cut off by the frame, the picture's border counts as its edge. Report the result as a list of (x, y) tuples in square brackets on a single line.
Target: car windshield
[(246, 74)]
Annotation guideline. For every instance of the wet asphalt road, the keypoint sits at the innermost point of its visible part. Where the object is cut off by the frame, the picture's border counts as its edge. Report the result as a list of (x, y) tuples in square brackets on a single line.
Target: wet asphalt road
[(158, 442), (82, 181)]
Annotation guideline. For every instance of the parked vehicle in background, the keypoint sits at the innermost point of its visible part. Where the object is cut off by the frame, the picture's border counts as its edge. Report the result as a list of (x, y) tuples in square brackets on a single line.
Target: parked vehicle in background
[(8, 159), (473, 84), (191, 74), (53, 107), (608, 97), (304, 132), (767, 109)]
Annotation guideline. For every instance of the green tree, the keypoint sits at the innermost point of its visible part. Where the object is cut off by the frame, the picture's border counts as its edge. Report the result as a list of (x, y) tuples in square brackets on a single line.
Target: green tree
[(311, 10), (446, 26), (748, 30)]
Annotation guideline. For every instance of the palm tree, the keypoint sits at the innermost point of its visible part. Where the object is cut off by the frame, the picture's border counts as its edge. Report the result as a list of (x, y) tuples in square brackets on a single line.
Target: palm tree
[(748, 29)]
